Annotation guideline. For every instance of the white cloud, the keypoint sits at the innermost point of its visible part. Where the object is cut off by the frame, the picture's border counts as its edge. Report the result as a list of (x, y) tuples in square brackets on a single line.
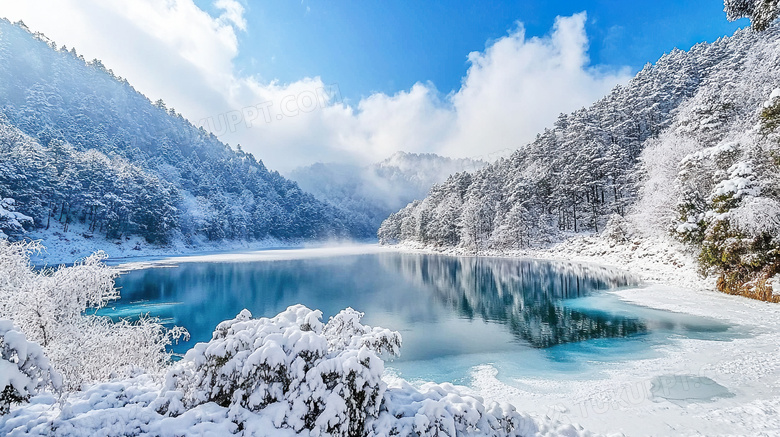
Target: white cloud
[(233, 12), (518, 86), (166, 49), (175, 51)]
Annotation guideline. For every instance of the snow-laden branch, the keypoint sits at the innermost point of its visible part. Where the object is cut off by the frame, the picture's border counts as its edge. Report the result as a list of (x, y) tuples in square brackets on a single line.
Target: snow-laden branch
[(24, 369), (49, 307)]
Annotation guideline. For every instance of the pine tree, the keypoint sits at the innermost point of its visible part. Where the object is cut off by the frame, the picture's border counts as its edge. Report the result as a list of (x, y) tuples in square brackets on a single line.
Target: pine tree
[(761, 12)]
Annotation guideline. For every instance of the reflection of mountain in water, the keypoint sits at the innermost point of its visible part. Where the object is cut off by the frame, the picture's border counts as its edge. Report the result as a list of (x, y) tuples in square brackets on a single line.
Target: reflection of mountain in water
[(527, 295)]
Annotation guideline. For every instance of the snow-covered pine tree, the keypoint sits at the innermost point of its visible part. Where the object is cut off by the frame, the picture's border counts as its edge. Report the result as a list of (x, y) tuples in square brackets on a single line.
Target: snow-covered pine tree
[(760, 12)]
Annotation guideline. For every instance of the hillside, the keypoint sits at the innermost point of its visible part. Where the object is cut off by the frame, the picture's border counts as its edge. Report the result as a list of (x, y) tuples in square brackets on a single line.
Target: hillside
[(81, 150), (373, 192), (688, 148)]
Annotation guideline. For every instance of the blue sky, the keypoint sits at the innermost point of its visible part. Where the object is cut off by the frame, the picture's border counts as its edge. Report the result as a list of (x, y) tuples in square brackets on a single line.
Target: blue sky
[(459, 78), (372, 46)]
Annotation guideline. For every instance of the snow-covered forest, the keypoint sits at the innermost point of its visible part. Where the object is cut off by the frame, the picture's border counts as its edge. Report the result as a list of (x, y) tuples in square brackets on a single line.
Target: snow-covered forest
[(372, 193), (688, 148), (686, 154), (80, 146)]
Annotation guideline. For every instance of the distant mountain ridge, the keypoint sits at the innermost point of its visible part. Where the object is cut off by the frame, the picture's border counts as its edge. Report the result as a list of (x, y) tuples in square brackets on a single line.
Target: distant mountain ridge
[(371, 193), (80, 145)]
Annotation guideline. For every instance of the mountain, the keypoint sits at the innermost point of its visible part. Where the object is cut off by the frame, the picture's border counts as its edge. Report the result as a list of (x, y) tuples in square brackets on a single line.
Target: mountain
[(373, 192), (81, 149), (688, 148)]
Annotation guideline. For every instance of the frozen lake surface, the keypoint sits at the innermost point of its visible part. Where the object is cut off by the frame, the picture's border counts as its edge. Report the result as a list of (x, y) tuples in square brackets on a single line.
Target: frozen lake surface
[(523, 317)]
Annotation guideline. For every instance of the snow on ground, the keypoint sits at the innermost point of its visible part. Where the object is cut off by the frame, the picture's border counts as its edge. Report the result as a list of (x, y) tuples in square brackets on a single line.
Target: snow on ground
[(666, 395), (77, 243), (691, 387), (326, 365), (143, 262), (129, 407), (124, 407)]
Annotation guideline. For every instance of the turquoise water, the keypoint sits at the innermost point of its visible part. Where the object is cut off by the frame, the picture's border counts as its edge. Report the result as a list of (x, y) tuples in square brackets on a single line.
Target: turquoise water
[(524, 317)]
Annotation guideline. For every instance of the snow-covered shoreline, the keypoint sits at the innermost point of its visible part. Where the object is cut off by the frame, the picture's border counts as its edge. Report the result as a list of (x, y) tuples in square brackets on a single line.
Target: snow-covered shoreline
[(66, 247), (249, 255), (134, 252), (650, 259), (633, 397), (629, 398)]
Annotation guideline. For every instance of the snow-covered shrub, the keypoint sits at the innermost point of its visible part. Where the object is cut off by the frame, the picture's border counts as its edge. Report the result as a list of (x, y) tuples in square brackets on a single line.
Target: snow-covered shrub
[(756, 216), (741, 182), (655, 208), (325, 379), (617, 229), (444, 410), (344, 331), (100, 349), (24, 369), (12, 222), (284, 375), (770, 114), (321, 378), (48, 306)]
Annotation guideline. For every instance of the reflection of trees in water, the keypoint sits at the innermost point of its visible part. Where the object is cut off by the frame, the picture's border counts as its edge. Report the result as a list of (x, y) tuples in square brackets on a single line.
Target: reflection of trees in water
[(213, 292), (524, 294)]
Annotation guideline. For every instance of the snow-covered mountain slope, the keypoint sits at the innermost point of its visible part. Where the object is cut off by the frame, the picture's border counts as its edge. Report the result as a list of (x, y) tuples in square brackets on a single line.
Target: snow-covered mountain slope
[(81, 147), (373, 192), (690, 146)]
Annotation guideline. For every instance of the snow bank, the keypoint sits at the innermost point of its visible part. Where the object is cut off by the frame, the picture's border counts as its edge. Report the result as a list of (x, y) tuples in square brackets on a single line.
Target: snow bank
[(252, 256)]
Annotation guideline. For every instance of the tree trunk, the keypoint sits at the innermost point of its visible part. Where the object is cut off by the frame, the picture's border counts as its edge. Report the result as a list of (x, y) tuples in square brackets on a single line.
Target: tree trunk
[(574, 209)]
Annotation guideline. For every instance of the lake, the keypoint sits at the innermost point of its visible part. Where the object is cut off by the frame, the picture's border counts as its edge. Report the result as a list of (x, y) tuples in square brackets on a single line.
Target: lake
[(524, 317)]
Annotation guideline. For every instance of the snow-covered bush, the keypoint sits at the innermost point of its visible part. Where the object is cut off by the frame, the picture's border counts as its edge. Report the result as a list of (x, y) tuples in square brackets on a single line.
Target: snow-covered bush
[(24, 369), (286, 375), (48, 306), (735, 224), (314, 377), (655, 208), (756, 216), (324, 379), (12, 222), (444, 410), (617, 229)]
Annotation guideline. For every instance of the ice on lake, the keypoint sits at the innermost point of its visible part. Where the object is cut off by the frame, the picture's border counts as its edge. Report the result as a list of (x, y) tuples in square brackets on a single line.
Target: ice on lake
[(682, 389)]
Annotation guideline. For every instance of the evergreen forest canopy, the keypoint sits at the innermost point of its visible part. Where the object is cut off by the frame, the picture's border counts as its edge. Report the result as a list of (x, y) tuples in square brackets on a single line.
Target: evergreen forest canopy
[(80, 145)]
